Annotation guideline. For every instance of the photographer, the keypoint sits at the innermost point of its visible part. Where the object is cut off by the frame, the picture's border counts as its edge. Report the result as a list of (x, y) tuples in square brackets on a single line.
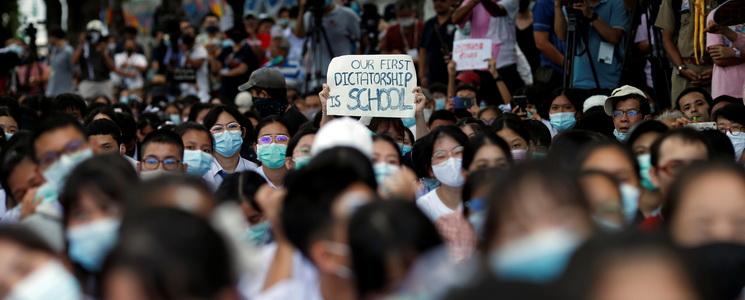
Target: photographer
[(60, 52), (95, 62), (602, 24), (340, 24)]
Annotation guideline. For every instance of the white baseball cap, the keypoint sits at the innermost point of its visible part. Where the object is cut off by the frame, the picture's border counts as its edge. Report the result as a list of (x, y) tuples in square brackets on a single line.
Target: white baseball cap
[(593, 101), (343, 132), (620, 94)]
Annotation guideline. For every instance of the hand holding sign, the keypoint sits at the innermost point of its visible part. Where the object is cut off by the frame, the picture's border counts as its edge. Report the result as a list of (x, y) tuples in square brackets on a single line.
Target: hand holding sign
[(472, 54), (371, 85)]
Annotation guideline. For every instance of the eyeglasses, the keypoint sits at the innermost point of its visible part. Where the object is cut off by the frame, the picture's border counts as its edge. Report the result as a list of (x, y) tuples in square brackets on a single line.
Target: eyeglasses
[(632, 113), (441, 155), (232, 126), (50, 157), (267, 139), (151, 163)]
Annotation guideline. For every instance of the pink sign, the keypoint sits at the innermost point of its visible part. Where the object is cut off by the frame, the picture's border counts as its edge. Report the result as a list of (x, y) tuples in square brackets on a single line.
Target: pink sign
[(472, 54)]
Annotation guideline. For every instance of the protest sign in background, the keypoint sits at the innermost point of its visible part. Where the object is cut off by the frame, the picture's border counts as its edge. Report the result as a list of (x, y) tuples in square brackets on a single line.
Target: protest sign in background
[(371, 85), (472, 54)]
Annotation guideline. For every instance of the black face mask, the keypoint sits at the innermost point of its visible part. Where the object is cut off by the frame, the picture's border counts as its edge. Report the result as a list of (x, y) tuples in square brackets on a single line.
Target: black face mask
[(212, 29), (130, 50), (268, 107), (719, 269)]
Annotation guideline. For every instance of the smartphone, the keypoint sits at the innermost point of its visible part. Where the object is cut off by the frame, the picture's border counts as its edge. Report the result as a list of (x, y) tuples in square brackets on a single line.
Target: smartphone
[(462, 102), (701, 126), (520, 101)]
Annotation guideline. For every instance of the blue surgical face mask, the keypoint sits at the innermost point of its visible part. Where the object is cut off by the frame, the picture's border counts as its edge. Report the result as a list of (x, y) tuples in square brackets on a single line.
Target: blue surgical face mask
[(301, 162), (56, 174), (477, 214), (197, 162), (408, 122), (405, 149), (8, 135), (630, 199), (384, 170), (272, 155), (539, 257), (645, 164), (175, 119), (228, 142), (89, 243), (563, 121), (621, 136), (440, 103), (259, 234)]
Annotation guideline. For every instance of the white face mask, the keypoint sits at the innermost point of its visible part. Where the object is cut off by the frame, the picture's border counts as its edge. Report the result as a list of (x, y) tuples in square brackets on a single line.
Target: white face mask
[(738, 142), (449, 172), (50, 281)]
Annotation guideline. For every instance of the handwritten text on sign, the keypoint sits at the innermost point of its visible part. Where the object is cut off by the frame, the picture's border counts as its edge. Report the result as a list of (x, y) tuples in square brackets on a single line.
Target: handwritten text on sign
[(472, 54), (371, 85)]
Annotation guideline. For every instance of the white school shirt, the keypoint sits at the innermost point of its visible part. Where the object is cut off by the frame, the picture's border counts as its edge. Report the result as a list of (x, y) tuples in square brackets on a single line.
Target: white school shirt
[(214, 176), (260, 170), (302, 285), (432, 206)]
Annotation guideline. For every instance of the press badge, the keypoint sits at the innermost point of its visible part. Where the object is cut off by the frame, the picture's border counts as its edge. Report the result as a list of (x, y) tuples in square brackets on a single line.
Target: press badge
[(605, 53)]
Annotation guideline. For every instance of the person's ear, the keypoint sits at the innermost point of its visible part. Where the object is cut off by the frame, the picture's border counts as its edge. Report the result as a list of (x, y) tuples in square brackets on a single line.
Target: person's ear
[(322, 258), (184, 166), (122, 149), (289, 163)]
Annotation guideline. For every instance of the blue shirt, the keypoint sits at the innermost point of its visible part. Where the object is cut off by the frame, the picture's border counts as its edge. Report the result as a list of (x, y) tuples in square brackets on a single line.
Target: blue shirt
[(615, 14), (543, 21)]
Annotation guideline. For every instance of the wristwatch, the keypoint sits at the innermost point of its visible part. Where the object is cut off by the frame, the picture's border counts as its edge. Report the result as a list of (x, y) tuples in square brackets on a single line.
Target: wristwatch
[(680, 68), (738, 54)]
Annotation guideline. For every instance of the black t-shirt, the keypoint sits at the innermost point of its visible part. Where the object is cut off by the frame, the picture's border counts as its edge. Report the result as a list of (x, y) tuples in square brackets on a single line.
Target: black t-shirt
[(230, 59), (437, 70)]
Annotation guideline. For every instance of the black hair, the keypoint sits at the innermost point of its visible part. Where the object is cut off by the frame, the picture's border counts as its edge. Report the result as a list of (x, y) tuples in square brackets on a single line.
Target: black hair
[(735, 113), (127, 125), (150, 193), (240, 187), (539, 133), (104, 127), (17, 149), (211, 118), (52, 123), (490, 108), (512, 123), (149, 119), (595, 119), (378, 123), (601, 253), (268, 121), (188, 126), (719, 144), (687, 135), (727, 99), (484, 139), (108, 177), (25, 237), (196, 108), (57, 32), (438, 87), (390, 141), (192, 262), (162, 136), (645, 127), (476, 125), (297, 137), (7, 112), (104, 110), (689, 177), (446, 131), (311, 192), (566, 148), (694, 89), (476, 180), (384, 234), (442, 114), (63, 102), (421, 163), (505, 194)]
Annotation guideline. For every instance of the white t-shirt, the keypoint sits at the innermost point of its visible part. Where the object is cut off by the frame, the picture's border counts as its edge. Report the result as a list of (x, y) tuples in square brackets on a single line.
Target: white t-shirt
[(201, 89), (133, 61), (433, 207)]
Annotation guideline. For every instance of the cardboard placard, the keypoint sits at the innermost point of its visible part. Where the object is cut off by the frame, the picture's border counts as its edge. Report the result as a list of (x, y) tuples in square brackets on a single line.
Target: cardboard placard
[(371, 85), (472, 54)]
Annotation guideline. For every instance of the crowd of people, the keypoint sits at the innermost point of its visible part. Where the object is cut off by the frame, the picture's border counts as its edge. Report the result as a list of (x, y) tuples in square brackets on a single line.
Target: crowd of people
[(203, 164)]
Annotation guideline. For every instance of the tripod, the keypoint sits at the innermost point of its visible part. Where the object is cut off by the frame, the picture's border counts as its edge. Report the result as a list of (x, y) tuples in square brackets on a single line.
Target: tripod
[(316, 36), (575, 31)]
